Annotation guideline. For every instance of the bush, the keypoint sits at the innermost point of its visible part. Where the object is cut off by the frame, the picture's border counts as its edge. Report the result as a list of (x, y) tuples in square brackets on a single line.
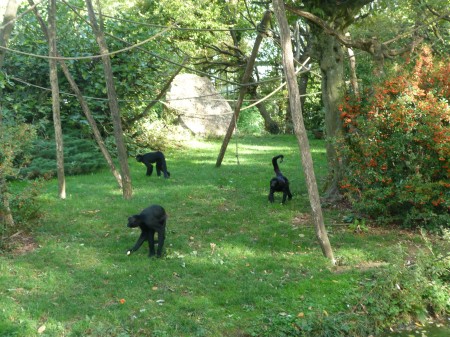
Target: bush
[(81, 156), (397, 147), (25, 207), (15, 144)]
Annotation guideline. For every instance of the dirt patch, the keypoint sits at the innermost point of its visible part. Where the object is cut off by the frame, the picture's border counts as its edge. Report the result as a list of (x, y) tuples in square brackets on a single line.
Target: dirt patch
[(301, 219), (20, 243), (361, 267)]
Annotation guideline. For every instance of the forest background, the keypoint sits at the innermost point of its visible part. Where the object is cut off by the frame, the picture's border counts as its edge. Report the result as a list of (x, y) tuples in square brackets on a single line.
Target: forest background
[(373, 76)]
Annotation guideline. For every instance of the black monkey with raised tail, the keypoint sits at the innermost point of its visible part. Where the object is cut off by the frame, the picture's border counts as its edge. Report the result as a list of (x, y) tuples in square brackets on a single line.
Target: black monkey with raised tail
[(279, 183)]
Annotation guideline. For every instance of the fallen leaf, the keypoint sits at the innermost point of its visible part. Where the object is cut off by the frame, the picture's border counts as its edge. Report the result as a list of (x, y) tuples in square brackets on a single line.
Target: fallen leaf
[(213, 247)]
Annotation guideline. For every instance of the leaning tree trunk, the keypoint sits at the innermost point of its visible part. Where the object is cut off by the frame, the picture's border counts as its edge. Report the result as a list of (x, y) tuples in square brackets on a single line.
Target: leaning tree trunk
[(262, 28), (55, 100), (331, 61), (113, 104), (300, 131), (5, 31), (84, 105)]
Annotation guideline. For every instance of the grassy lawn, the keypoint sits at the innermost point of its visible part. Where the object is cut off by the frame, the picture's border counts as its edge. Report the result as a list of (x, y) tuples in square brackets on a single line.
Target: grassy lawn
[(234, 264)]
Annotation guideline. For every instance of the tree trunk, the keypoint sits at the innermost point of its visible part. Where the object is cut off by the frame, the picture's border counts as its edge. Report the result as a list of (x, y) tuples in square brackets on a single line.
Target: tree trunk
[(5, 31), (55, 100), (262, 28), (113, 104), (84, 106), (7, 27), (300, 131), (331, 61), (353, 76), (269, 124)]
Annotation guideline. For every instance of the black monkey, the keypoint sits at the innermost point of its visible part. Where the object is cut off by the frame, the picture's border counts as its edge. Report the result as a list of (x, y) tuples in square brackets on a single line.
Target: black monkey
[(154, 157), (151, 220), (279, 183)]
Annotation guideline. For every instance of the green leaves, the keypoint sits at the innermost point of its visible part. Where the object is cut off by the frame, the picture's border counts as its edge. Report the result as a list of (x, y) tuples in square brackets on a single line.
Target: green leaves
[(397, 147)]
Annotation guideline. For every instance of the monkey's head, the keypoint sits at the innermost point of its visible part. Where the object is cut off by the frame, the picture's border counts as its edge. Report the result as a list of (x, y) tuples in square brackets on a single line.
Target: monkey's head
[(133, 222), (139, 158)]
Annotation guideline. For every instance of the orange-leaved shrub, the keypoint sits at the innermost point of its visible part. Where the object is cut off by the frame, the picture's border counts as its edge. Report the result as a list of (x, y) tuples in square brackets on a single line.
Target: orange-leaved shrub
[(396, 146)]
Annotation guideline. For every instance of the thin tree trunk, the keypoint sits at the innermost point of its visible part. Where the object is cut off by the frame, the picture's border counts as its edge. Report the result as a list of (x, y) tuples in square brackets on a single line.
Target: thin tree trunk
[(7, 214), (353, 77), (84, 105), (5, 31), (55, 100), (300, 131), (245, 79), (7, 27), (113, 103)]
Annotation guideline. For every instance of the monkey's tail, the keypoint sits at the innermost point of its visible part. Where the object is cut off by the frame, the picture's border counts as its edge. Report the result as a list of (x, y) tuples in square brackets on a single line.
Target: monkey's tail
[(275, 163)]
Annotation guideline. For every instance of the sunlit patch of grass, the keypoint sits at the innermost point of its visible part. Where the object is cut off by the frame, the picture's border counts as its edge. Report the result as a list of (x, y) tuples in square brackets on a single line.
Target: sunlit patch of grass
[(231, 260)]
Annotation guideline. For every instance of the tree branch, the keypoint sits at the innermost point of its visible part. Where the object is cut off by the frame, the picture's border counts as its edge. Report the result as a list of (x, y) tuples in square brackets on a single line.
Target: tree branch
[(156, 100), (372, 46)]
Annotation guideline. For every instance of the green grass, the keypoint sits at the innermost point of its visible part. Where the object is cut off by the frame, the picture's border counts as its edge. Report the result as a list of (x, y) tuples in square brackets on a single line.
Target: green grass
[(265, 264)]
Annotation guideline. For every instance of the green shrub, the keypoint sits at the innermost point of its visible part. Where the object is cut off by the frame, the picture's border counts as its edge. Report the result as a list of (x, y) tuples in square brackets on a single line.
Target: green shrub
[(251, 122), (15, 146), (25, 207), (397, 147), (81, 156)]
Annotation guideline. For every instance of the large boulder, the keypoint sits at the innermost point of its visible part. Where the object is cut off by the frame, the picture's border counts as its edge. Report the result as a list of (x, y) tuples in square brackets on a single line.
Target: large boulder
[(200, 108)]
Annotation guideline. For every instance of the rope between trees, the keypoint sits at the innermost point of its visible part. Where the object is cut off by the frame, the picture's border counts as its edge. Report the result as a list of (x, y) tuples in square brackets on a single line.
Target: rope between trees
[(85, 57)]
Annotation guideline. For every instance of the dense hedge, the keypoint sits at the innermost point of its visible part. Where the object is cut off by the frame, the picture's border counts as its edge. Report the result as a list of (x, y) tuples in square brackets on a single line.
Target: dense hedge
[(397, 147)]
